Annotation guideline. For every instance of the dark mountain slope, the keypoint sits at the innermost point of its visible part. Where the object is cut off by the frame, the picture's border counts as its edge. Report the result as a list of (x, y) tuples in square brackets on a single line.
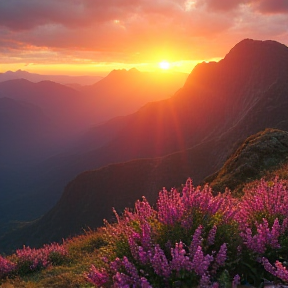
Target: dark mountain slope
[(62, 104), (24, 129), (89, 198), (72, 114)]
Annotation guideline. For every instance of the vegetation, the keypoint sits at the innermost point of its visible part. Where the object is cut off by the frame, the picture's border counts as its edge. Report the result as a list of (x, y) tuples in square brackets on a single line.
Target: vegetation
[(191, 238)]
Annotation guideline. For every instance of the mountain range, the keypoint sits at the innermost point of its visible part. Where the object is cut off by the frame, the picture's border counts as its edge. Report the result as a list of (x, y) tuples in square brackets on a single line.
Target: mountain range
[(46, 120), (76, 81), (192, 134)]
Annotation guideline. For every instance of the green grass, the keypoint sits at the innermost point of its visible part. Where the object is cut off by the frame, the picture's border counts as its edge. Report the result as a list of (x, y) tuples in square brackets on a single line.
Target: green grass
[(83, 250)]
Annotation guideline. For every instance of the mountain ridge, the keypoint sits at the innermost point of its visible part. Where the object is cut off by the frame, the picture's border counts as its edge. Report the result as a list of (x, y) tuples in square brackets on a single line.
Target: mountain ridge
[(62, 79), (75, 117), (218, 107)]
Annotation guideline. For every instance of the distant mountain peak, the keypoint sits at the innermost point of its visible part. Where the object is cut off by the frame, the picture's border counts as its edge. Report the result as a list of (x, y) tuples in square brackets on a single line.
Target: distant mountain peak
[(124, 71), (133, 70)]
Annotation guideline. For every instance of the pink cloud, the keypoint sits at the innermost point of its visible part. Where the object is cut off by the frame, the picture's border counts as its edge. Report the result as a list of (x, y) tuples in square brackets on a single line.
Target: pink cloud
[(130, 30), (222, 5), (272, 6)]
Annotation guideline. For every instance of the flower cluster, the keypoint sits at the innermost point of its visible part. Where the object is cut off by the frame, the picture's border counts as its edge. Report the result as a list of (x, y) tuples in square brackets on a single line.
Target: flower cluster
[(268, 200), (279, 270), (27, 260), (36, 259), (264, 237), (152, 247), (6, 267), (181, 261)]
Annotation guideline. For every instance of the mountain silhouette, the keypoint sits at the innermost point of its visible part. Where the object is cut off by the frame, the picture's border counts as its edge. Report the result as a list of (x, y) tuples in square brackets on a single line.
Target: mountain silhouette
[(74, 127), (62, 79), (217, 98), (24, 130), (220, 105), (24, 127), (123, 92)]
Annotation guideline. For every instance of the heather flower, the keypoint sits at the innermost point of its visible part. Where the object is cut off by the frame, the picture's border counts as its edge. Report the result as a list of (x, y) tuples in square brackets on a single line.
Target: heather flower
[(236, 281), (211, 235), (146, 235), (31, 259), (170, 206), (180, 261), (143, 256), (268, 200), (6, 267), (144, 238), (122, 280), (143, 209), (160, 263), (144, 283), (200, 262), (264, 237), (196, 241), (215, 285), (115, 265), (97, 277), (278, 271), (220, 257), (205, 281), (281, 271), (131, 269)]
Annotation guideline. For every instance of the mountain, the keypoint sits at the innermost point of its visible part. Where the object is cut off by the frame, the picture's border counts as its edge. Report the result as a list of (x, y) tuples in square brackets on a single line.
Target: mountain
[(259, 153), (24, 128), (240, 95), (63, 79), (62, 104), (89, 198), (220, 105), (120, 93), (74, 127), (123, 92)]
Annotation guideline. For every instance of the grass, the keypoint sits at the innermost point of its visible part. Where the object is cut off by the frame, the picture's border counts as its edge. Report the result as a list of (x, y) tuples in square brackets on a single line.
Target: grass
[(83, 250), (86, 249)]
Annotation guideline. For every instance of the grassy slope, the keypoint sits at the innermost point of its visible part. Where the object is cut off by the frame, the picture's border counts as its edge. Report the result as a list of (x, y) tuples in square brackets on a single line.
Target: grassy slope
[(85, 250)]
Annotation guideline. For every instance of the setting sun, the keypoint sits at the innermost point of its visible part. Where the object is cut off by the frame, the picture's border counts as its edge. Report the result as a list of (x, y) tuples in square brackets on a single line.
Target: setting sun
[(164, 65)]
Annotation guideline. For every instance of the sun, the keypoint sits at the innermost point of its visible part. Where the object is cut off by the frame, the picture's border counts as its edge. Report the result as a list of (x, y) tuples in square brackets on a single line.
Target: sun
[(164, 65)]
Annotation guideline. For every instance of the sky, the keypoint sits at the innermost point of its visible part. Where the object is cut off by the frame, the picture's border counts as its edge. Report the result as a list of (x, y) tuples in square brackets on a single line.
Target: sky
[(90, 37)]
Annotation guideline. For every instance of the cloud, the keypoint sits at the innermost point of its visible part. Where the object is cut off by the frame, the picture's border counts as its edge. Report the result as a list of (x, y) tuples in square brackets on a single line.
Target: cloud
[(272, 6), (134, 30), (28, 14), (262, 6), (222, 5)]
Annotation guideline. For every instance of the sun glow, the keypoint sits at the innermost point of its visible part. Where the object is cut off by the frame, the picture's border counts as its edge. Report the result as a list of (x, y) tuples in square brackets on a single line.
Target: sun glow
[(164, 65)]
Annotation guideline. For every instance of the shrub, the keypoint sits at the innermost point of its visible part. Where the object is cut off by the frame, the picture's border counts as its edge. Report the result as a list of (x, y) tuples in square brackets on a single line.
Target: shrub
[(177, 244)]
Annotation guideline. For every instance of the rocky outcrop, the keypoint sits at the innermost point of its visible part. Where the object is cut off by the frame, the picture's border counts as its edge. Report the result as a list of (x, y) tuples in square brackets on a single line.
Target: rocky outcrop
[(263, 151)]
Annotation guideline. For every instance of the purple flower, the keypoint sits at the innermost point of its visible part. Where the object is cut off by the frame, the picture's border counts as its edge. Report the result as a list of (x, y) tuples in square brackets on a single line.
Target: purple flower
[(97, 277)]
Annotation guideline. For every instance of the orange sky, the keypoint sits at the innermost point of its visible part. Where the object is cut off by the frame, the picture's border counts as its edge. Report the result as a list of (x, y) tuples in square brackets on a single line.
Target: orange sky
[(95, 36)]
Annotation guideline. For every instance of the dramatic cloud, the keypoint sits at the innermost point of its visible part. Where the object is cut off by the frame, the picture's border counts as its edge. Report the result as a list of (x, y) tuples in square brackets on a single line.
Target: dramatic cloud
[(272, 6), (134, 30)]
